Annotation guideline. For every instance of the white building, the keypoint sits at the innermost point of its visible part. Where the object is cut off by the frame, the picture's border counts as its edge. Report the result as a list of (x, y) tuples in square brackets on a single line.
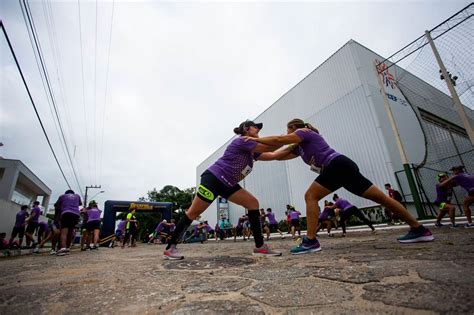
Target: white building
[(342, 98), (18, 186)]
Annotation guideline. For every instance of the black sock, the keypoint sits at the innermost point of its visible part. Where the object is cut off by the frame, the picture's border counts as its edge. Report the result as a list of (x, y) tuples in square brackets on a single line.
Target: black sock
[(256, 227), (178, 233)]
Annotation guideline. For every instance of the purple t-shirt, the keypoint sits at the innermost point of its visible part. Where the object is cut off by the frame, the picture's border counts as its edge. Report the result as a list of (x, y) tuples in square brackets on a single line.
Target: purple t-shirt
[(121, 225), (236, 163), (36, 211), (465, 180), (294, 215), (160, 227), (443, 194), (343, 204), (70, 203), (93, 214), (20, 218), (271, 218), (325, 214), (314, 150), (44, 226)]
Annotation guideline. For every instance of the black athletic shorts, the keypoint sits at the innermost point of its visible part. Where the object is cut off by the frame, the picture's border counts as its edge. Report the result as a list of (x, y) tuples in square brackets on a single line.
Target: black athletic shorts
[(31, 227), (93, 225), (211, 187), (18, 230), (69, 220), (343, 172), (295, 222)]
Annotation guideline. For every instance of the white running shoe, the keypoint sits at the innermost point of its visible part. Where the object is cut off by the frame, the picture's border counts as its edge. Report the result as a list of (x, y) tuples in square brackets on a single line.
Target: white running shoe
[(62, 252), (173, 253)]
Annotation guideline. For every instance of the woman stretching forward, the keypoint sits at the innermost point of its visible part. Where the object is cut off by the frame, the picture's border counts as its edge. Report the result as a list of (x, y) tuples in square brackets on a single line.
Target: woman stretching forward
[(336, 171), (221, 179)]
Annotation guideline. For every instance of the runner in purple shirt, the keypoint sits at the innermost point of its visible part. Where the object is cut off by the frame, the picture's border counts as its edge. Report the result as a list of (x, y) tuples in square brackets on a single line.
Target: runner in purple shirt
[(336, 171), (69, 204), (19, 227), (466, 181), (93, 224), (32, 224), (43, 230), (327, 218), (221, 179), (443, 201), (119, 233), (295, 222), (347, 210), (273, 223)]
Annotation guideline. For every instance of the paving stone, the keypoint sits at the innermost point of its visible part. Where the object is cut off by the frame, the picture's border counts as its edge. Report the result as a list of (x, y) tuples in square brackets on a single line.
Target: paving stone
[(277, 273), (447, 272), (216, 284), (300, 292), (358, 273), (209, 263), (218, 307), (438, 297)]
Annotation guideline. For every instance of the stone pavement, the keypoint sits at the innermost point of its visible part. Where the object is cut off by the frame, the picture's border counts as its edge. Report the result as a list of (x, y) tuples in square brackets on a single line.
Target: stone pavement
[(362, 273)]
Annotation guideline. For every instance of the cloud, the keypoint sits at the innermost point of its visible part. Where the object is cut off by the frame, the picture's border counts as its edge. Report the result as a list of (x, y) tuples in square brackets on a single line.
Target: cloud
[(181, 76)]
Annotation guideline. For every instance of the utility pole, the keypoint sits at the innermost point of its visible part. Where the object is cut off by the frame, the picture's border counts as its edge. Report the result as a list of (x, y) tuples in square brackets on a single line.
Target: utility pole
[(401, 149), (454, 95), (90, 187)]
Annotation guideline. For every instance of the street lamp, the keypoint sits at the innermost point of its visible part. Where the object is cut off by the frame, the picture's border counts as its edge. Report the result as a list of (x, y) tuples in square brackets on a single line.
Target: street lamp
[(100, 192)]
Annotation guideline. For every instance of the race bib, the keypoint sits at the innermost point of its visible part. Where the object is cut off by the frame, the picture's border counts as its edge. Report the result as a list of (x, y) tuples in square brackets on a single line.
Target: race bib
[(314, 168), (246, 170)]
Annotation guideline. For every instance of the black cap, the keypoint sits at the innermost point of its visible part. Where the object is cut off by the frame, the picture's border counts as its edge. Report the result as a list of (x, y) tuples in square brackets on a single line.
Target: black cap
[(248, 123)]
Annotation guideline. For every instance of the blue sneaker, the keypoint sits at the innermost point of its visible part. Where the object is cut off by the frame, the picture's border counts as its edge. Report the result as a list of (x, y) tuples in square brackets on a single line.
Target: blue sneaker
[(416, 235), (306, 246)]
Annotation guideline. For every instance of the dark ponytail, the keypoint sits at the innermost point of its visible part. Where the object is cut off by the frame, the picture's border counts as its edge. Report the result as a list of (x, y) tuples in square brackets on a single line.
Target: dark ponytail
[(238, 131), (335, 197), (299, 123)]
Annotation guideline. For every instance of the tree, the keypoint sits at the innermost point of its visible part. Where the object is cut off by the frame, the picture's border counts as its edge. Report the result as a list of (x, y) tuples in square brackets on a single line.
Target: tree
[(181, 200)]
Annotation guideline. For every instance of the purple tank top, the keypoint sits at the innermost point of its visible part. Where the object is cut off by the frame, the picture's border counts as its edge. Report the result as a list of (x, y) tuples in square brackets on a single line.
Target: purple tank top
[(343, 204), (271, 218), (314, 150), (236, 163), (465, 180)]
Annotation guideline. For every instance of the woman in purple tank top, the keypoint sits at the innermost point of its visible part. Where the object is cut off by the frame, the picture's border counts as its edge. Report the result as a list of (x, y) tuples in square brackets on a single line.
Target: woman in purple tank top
[(466, 181), (336, 171), (222, 179)]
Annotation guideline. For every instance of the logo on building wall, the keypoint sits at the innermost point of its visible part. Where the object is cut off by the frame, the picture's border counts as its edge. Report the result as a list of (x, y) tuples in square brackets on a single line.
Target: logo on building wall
[(388, 79)]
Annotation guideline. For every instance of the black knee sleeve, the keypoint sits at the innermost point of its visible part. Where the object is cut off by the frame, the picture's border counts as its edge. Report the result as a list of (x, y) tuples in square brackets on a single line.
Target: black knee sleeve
[(256, 226), (178, 233)]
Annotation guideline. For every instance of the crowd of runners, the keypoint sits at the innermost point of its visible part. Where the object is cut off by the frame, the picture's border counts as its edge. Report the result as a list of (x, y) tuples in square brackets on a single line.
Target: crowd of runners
[(222, 179)]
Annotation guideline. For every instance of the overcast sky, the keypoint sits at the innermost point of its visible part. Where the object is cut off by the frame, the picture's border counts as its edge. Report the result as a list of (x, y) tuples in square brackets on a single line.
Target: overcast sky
[(181, 76)]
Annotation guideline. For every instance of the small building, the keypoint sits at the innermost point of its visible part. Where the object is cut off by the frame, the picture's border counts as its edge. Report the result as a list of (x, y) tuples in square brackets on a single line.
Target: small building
[(18, 186)]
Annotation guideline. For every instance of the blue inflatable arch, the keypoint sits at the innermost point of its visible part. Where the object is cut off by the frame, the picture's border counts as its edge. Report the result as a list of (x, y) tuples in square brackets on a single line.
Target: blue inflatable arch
[(113, 206)]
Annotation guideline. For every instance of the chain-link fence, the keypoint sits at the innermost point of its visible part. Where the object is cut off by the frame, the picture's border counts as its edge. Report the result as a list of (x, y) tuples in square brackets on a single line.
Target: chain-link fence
[(442, 58), (426, 180)]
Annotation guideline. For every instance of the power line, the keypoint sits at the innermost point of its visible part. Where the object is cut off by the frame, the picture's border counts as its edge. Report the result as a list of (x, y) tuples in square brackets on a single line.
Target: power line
[(50, 26), (48, 83), (83, 89), (106, 90), (32, 102), (95, 94)]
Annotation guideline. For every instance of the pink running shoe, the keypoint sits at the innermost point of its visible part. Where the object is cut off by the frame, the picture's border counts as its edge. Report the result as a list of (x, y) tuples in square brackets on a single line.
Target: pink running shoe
[(172, 253), (265, 250)]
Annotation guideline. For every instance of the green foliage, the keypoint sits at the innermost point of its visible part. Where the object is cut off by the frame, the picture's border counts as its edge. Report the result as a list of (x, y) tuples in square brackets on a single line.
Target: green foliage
[(181, 200)]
